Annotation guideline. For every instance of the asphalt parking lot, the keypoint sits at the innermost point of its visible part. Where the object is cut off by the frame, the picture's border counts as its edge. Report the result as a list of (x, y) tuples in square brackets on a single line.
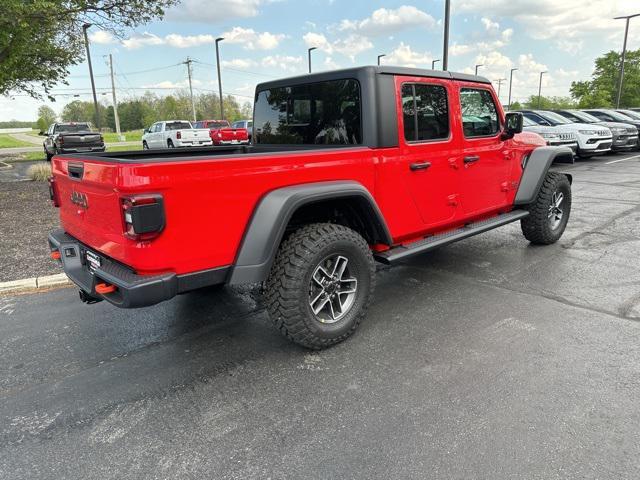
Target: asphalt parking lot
[(489, 359)]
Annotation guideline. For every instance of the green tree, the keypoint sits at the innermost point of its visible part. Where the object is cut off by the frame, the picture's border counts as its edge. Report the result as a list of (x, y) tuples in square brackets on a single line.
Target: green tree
[(41, 39), (47, 114), (602, 89), (42, 125), (548, 103)]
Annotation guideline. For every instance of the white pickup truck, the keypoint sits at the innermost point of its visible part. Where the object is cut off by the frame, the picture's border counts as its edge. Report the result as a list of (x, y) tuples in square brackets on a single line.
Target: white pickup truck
[(174, 134)]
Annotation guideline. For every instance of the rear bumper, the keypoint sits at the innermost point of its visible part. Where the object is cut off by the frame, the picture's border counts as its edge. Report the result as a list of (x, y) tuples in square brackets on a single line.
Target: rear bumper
[(132, 290), (193, 143), (231, 142)]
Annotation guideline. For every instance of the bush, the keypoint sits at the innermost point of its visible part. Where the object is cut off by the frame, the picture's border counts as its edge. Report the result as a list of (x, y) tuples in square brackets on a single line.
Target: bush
[(40, 172)]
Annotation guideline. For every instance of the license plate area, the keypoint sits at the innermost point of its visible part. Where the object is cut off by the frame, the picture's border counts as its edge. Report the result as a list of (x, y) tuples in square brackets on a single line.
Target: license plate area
[(93, 261)]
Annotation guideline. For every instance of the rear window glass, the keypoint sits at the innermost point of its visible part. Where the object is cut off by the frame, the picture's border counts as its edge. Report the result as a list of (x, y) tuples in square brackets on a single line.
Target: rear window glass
[(177, 126), (216, 124), (71, 128), (326, 113)]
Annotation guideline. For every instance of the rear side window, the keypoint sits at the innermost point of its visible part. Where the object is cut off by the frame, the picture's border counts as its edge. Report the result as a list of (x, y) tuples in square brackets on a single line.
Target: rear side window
[(326, 113), (425, 111), (479, 113)]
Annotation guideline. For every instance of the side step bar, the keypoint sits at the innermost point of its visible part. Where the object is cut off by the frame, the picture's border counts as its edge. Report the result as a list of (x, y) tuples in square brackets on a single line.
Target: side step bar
[(435, 241)]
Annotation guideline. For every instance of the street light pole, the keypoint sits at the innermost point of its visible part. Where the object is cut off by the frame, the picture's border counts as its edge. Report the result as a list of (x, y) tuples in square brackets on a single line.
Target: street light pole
[(379, 57), (445, 47), (85, 27), (479, 65), (624, 54), (309, 56), (433, 64), (510, 85), (193, 105), (540, 88), (218, 40)]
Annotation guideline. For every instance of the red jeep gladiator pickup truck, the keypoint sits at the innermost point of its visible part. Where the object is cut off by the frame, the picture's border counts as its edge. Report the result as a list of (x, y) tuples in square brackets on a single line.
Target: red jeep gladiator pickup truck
[(346, 168)]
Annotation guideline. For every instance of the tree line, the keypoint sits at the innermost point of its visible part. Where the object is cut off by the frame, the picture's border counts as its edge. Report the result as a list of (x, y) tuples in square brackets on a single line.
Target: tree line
[(141, 112)]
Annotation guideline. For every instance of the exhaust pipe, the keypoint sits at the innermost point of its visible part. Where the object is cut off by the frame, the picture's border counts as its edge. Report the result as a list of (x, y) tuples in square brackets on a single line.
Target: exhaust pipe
[(88, 299)]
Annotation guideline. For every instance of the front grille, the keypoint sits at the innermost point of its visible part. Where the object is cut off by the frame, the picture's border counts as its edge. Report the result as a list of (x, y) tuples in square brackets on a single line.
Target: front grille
[(603, 133), (632, 131), (567, 136)]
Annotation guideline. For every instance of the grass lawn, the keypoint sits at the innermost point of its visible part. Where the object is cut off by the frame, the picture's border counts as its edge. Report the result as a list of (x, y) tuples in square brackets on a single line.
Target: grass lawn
[(7, 141), (131, 136), (125, 148)]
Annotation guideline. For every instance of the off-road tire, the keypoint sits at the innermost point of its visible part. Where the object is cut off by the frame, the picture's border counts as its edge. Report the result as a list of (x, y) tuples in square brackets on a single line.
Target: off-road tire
[(537, 226), (288, 288)]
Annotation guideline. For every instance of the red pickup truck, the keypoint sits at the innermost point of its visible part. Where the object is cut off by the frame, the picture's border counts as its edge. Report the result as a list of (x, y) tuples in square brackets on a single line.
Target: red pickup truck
[(347, 168), (222, 133)]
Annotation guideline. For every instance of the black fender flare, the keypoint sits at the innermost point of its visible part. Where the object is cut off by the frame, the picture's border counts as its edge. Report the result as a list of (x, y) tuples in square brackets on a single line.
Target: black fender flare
[(267, 226), (536, 168)]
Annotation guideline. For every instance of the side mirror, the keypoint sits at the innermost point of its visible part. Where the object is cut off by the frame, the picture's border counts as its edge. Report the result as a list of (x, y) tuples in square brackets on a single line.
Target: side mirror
[(513, 122)]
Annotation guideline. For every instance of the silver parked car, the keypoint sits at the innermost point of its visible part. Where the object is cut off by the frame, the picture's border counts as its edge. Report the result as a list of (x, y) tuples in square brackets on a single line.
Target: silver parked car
[(554, 136)]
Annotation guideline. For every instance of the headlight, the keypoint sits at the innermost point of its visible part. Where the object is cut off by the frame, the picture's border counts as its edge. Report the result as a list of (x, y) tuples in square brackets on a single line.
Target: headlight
[(588, 132)]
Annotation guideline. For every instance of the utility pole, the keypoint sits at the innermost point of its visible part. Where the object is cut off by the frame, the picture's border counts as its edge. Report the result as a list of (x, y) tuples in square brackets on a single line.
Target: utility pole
[(115, 101), (510, 85), (85, 27), (500, 80), (433, 64), (379, 57), (445, 48), (193, 105), (309, 56), (624, 54), (540, 88), (218, 40)]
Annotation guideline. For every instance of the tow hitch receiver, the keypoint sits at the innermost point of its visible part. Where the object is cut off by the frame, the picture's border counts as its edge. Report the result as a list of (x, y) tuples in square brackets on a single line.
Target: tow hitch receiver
[(88, 299)]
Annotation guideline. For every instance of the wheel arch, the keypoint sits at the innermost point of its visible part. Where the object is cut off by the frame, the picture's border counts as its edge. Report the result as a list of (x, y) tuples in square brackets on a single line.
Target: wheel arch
[(302, 204), (536, 168)]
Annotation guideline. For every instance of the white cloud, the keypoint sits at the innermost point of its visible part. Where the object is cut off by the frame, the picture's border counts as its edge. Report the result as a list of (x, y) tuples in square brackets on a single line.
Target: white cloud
[(252, 40), (188, 41), (562, 21), (168, 84), (214, 11), (404, 56), (102, 37), (384, 21), (241, 63), (329, 64), (284, 62), (139, 41), (489, 25), (350, 46)]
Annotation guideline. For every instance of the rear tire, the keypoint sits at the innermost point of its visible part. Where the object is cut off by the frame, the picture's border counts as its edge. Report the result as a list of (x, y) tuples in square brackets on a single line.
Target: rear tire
[(320, 285), (550, 211), (170, 144), (47, 155)]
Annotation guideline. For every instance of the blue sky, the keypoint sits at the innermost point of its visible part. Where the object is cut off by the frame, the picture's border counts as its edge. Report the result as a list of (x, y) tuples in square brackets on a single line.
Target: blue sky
[(268, 39)]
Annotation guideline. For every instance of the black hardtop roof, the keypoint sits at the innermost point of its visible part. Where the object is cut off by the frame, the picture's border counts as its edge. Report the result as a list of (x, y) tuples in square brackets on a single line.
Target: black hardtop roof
[(369, 71)]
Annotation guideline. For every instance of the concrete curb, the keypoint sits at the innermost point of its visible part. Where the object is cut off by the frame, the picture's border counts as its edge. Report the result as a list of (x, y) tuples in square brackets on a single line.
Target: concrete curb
[(35, 283)]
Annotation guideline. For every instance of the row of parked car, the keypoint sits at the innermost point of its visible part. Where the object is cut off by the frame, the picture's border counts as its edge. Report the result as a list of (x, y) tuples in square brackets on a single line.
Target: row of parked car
[(182, 133), (587, 132)]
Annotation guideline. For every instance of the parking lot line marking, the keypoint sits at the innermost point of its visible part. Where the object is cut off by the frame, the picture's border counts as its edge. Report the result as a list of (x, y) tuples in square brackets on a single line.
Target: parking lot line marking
[(623, 159)]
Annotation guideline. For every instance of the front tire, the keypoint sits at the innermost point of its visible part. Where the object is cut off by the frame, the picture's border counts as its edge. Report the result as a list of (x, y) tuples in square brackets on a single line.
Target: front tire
[(320, 285), (145, 145), (550, 211)]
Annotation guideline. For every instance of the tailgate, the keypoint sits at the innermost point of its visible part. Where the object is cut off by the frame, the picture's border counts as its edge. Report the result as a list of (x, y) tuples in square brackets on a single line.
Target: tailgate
[(199, 134), (79, 140), (90, 208), (230, 134)]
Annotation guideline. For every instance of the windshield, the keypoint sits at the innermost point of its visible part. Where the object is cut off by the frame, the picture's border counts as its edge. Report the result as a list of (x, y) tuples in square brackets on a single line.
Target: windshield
[(619, 116), (72, 128), (584, 117), (553, 118), (631, 114), (527, 122), (177, 126)]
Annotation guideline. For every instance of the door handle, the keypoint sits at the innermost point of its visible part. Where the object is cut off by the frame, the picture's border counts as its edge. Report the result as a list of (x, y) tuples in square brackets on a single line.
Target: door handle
[(419, 166), (471, 159)]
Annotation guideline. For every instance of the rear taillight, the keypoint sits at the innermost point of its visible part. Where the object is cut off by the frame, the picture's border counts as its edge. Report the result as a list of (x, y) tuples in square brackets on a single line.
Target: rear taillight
[(143, 216), (178, 135), (53, 192)]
